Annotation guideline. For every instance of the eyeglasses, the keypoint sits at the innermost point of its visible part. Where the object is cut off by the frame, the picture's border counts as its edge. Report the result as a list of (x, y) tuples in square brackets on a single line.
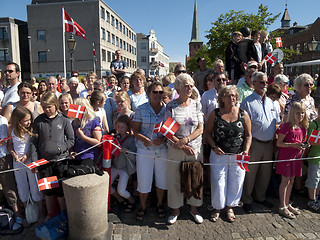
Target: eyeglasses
[(157, 92), (181, 71), (308, 85), (8, 71), (34, 94), (263, 83), (221, 79)]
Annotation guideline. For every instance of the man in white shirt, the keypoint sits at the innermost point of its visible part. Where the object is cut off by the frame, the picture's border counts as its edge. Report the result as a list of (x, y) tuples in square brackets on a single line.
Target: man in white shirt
[(11, 92)]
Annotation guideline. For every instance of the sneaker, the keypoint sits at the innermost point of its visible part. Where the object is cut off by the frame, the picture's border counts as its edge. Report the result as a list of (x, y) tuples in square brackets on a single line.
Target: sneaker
[(172, 219), (314, 205), (197, 217), (17, 224)]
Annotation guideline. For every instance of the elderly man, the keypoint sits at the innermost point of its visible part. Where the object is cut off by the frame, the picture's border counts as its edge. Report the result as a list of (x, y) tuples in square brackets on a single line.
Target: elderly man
[(264, 116), (245, 87), (200, 75), (12, 73), (118, 66), (52, 85)]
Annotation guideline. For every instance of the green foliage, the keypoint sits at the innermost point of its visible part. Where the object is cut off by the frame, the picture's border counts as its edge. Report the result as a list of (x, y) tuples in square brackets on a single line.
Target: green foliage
[(192, 65)]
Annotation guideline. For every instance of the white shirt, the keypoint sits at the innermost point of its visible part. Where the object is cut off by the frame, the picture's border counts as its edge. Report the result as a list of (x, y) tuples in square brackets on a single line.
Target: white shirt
[(209, 101)]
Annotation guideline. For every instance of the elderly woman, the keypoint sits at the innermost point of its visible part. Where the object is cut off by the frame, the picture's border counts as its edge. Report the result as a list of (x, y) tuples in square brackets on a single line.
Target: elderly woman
[(283, 82), (24, 92), (303, 86), (149, 147), (186, 146), (137, 94), (228, 131), (91, 78), (73, 83)]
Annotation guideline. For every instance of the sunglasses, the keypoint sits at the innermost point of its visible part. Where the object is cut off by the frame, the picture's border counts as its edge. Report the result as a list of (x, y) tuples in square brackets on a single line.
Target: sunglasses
[(221, 80), (263, 83), (157, 92), (308, 85), (9, 71), (181, 71), (34, 94)]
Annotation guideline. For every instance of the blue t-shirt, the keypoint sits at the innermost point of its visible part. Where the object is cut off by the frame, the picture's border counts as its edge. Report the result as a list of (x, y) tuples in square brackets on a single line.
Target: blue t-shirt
[(118, 65)]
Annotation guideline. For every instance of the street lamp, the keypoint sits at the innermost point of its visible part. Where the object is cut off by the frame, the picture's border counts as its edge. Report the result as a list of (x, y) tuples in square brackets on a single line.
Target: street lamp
[(312, 48), (72, 46)]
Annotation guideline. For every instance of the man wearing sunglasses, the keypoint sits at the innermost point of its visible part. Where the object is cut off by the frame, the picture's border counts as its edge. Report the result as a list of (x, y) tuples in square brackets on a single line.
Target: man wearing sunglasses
[(245, 87), (12, 73)]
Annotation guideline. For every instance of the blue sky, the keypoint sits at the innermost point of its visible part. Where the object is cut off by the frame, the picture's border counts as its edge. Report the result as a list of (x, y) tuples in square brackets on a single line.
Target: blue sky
[(172, 19)]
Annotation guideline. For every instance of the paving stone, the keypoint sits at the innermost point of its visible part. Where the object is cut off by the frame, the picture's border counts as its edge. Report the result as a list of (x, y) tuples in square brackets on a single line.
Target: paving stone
[(269, 238), (300, 235), (310, 235), (117, 237), (277, 225), (289, 236), (235, 235)]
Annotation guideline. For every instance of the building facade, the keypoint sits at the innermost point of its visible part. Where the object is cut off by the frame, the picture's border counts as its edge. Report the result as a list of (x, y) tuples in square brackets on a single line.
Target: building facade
[(103, 26), (150, 55), (14, 45)]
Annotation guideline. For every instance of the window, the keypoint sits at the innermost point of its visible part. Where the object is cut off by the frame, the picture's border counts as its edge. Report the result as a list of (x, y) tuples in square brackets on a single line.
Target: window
[(120, 43), (109, 56), (130, 48), (103, 34), (112, 20), (298, 47), (127, 47), (305, 47), (42, 56), (143, 45), (41, 35), (124, 45), (108, 16), (108, 36), (129, 34), (102, 13), (3, 33), (124, 29), (143, 59), (120, 27), (113, 39), (113, 57), (117, 41), (4, 55), (104, 55), (117, 24)]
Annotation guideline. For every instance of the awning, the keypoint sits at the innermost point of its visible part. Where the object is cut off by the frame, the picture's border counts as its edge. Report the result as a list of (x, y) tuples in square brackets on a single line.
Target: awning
[(307, 63)]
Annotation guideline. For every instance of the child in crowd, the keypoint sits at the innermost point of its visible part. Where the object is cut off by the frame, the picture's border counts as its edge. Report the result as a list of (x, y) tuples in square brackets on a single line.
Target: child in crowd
[(167, 95), (290, 143), (97, 101), (124, 164), (313, 180), (19, 148), (87, 133), (65, 100), (124, 105), (53, 137)]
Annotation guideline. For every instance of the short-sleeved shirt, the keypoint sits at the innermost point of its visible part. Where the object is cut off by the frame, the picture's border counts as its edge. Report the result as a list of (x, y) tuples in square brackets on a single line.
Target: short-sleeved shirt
[(138, 100), (148, 118), (118, 65), (3, 134), (10, 95), (244, 91), (188, 117), (209, 101)]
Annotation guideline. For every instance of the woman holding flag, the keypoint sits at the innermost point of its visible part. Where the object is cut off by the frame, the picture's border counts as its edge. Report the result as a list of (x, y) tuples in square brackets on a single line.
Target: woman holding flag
[(228, 131), (150, 145)]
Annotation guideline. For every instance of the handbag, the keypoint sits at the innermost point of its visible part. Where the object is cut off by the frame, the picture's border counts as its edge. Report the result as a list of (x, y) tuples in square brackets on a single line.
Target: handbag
[(6, 218), (32, 211)]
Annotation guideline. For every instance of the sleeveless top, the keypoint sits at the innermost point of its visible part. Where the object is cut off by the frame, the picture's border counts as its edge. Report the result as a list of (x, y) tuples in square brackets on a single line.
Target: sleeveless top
[(229, 136), (21, 146), (35, 113)]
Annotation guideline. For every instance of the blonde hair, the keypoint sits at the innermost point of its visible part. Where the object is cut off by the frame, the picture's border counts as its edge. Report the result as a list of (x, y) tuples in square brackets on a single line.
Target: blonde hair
[(166, 80), (223, 92), (89, 113), (50, 98), (293, 109), (17, 115), (123, 95), (65, 96)]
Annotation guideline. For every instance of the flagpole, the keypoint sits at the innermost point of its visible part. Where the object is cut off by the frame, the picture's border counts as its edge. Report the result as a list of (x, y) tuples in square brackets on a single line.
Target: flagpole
[(64, 45), (94, 64)]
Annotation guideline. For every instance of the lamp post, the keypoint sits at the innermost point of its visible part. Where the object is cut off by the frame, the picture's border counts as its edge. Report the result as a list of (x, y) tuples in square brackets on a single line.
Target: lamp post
[(312, 48), (72, 46)]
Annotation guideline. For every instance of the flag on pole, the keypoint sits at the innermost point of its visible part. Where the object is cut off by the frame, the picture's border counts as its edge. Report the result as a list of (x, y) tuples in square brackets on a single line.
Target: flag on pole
[(169, 128), (279, 42), (48, 183), (243, 161), (5, 139), (72, 27), (37, 163), (115, 151), (94, 53), (76, 111), (157, 127), (270, 58), (314, 137)]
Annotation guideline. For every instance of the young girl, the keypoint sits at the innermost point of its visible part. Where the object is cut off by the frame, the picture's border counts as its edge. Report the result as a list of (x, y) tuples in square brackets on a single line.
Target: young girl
[(53, 137), (124, 164), (19, 147), (97, 101), (65, 100), (290, 143), (124, 105), (87, 132)]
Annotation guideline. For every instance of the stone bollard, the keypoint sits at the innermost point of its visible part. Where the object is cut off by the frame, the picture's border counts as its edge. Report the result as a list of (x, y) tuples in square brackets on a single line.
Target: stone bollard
[(87, 206)]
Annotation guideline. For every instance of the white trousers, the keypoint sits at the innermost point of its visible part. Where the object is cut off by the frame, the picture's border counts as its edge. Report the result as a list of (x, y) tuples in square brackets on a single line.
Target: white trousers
[(26, 183), (122, 184), (226, 181)]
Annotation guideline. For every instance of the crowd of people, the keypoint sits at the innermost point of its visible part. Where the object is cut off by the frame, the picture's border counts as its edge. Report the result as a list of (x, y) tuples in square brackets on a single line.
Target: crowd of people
[(221, 115)]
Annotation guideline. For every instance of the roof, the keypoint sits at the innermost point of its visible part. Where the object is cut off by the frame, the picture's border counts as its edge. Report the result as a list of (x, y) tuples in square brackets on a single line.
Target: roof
[(285, 16), (195, 35)]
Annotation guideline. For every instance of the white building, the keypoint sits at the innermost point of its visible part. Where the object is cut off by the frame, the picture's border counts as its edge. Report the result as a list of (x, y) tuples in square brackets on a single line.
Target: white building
[(150, 55)]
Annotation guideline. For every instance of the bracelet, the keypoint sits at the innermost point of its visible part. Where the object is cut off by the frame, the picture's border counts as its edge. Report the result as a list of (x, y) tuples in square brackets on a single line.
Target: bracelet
[(188, 139)]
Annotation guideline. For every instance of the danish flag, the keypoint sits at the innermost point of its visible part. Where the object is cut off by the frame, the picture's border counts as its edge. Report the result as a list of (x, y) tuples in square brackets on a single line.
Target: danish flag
[(115, 150), (314, 137), (278, 129), (169, 128), (72, 27), (5, 139), (37, 163), (157, 127), (48, 183), (279, 42), (270, 58), (76, 111), (243, 161)]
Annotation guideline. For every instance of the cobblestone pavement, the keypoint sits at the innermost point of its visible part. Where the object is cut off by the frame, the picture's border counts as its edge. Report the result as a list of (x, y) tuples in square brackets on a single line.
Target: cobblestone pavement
[(262, 224)]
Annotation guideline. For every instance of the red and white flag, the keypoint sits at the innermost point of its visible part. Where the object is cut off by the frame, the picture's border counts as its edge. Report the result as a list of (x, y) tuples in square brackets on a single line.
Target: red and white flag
[(94, 53), (243, 161), (115, 151), (157, 127), (279, 42), (169, 128), (5, 139), (270, 58), (76, 111), (48, 183), (278, 129), (314, 137), (72, 27), (37, 163)]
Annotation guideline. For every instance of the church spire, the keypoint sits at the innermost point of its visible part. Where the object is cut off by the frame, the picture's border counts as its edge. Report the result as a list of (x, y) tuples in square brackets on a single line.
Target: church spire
[(285, 20), (195, 35)]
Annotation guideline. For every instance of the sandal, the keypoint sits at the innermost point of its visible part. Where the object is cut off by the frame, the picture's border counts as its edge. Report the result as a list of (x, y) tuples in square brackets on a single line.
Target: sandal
[(161, 212), (215, 216), (284, 211), (230, 215), (141, 214), (294, 210), (129, 207)]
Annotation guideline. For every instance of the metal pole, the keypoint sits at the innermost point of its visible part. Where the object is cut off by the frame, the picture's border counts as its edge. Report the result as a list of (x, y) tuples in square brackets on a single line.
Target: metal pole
[(30, 58), (71, 57)]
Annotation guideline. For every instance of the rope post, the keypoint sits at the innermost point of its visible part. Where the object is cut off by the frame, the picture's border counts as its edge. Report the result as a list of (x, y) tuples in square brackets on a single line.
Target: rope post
[(106, 159)]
